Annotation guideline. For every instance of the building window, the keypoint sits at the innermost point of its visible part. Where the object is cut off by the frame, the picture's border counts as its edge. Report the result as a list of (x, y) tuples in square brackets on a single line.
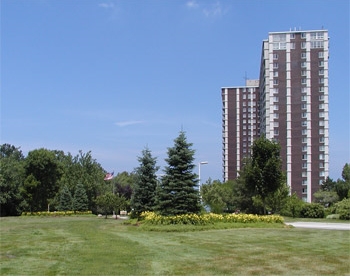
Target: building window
[(304, 115), (279, 45), (303, 64), (322, 147), (321, 63), (274, 90), (292, 35), (303, 73), (321, 55), (275, 81), (303, 90), (303, 45), (304, 174), (321, 81), (321, 140), (304, 132), (304, 148), (275, 132), (321, 106), (304, 156), (275, 66), (303, 106), (321, 89), (292, 45), (317, 35), (275, 107), (303, 81), (321, 156), (275, 56), (321, 165), (275, 115), (304, 140), (322, 174), (321, 131), (321, 71), (317, 44), (303, 98), (303, 35), (321, 123), (321, 114), (279, 37), (275, 99), (303, 55), (304, 165)]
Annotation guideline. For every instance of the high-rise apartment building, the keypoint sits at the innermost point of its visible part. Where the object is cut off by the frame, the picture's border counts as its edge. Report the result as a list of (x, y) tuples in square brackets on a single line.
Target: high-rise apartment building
[(289, 104)]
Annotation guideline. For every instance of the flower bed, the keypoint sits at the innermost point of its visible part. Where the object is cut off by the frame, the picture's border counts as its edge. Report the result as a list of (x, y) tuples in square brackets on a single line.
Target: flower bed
[(209, 218), (58, 213)]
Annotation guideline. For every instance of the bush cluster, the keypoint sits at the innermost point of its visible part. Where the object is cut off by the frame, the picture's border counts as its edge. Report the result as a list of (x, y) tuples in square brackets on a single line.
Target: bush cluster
[(343, 209), (312, 210), (209, 218), (58, 213)]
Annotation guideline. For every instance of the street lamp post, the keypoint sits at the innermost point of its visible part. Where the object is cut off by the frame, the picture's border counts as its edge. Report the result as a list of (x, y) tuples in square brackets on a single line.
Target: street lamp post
[(199, 177)]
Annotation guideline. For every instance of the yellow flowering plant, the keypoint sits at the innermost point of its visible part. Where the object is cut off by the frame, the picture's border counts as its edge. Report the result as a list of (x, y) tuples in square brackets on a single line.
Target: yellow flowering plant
[(209, 218)]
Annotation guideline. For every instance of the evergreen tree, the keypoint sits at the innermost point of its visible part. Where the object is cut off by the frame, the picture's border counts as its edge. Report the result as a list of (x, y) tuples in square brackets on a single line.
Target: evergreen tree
[(144, 194), (178, 192), (80, 200), (65, 200)]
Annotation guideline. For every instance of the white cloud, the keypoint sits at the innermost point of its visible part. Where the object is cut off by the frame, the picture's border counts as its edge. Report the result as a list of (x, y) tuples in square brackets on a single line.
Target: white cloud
[(213, 10), (192, 4), (208, 10), (106, 5), (127, 123)]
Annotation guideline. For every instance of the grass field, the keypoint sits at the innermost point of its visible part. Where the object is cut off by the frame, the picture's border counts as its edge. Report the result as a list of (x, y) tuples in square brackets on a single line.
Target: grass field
[(88, 245)]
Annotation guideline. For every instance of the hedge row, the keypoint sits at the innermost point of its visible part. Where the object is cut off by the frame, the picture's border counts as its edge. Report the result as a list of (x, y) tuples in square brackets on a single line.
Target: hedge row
[(57, 213), (209, 218)]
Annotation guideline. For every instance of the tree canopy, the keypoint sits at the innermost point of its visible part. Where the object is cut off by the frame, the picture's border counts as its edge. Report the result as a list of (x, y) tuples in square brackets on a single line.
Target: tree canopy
[(263, 173)]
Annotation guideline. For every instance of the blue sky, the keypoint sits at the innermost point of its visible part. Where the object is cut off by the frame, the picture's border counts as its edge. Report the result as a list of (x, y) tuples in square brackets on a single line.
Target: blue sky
[(113, 77)]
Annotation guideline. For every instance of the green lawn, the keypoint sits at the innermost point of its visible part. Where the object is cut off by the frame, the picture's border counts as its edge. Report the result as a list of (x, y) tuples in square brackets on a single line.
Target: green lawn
[(88, 245)]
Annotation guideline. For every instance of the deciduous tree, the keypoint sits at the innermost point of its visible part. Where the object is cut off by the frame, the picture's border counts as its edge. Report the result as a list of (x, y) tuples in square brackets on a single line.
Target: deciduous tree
[(263, 174), (11, 179)]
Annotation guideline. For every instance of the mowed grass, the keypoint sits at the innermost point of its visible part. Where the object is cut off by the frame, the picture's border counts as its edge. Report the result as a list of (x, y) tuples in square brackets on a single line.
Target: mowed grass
[(89, 245)]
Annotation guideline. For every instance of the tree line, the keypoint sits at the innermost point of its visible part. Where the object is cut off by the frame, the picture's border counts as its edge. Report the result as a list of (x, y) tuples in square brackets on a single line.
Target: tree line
[(53, 180)]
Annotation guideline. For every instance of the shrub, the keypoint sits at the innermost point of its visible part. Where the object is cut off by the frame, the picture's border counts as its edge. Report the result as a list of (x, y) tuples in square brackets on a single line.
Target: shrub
[(343, 208), (312, 210), (293, 206)]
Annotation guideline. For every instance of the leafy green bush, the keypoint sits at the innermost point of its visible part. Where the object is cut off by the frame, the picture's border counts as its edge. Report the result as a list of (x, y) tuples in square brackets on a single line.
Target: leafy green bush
[(293, 206), (343, 209), (312, 210)]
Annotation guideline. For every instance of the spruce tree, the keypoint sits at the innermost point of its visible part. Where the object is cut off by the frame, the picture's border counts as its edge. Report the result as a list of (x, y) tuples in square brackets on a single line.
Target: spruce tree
[(144, 193), (65, 200), (80, 200), (178, 192)]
